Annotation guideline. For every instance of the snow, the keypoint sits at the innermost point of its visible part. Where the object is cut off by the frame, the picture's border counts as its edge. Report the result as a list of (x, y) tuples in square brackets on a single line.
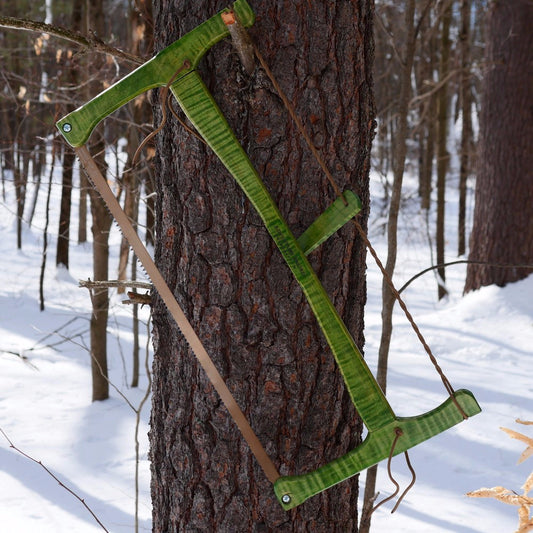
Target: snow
[(482, 340), (45, 393)]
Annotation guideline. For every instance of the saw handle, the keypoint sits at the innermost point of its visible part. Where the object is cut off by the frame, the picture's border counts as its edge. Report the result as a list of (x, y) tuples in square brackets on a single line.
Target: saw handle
[(181, 56)]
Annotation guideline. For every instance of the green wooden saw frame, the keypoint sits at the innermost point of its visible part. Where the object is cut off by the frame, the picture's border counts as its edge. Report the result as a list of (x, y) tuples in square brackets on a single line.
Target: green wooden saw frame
[(383, 425)]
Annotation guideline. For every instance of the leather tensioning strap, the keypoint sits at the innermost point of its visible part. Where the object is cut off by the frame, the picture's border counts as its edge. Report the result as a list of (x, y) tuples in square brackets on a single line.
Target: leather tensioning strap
[(177, 313)]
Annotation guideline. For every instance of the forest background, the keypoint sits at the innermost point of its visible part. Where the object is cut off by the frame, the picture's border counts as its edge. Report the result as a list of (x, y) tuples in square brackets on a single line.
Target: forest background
[(44, 76)]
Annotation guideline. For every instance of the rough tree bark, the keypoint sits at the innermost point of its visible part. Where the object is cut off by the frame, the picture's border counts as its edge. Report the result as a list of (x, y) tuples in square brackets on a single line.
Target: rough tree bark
[(503, 231), (235, 287)]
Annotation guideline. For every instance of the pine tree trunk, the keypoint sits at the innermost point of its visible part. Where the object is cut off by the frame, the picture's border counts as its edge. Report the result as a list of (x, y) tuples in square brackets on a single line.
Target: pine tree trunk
[(503, 231), (235, 287)]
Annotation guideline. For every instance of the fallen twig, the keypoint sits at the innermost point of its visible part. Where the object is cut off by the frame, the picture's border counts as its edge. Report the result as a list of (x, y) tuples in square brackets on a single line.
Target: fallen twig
[(50, 473)]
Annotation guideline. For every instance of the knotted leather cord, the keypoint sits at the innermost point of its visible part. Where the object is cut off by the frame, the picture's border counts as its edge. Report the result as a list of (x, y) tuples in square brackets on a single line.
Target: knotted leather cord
[(410, 486), (299, 125), (410, 318), (386, 277), (361, 231), (399, 433)]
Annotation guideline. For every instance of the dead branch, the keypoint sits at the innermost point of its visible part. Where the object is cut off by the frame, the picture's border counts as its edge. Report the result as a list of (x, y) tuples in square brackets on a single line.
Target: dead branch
[(89, 284), (87, 42), (50, 473), (461, 262), (436, 87)]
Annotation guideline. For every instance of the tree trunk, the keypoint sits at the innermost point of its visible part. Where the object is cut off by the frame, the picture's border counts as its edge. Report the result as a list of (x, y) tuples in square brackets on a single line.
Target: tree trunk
[(466, 114), (135, 330), (235, 287), (427, 113), (39, 164), (443, 157), (82, 219), (101, 224), (100, 300), (502, 231), (63, 234)]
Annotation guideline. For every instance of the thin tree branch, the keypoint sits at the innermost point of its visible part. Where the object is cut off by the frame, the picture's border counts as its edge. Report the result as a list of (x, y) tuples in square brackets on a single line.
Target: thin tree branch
[(89, 43), (50, 473), (436, 87), (379, 19), (425, 11), (458, 262)]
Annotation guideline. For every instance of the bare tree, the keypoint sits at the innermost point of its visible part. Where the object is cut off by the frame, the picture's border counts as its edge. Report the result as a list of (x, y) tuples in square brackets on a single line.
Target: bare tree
[(425, 68), (466, 150), (388, 298), (443, 156), (503, 232), (63, 72), (72, 78), (101, 224)]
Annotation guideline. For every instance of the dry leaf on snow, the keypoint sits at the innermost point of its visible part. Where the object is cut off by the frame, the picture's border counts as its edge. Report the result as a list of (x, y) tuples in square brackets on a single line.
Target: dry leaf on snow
[(528, 452)]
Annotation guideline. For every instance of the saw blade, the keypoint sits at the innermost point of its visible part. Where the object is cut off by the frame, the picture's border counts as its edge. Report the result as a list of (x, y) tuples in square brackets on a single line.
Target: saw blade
[(194, 342)]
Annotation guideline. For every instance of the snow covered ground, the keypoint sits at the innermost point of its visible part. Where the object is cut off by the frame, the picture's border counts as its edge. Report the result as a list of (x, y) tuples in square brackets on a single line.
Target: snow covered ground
[(483, 342)]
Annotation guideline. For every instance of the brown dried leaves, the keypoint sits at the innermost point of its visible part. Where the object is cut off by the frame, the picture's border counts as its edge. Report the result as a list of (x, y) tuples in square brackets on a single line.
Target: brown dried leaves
[(523, 501), (528, 452)]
